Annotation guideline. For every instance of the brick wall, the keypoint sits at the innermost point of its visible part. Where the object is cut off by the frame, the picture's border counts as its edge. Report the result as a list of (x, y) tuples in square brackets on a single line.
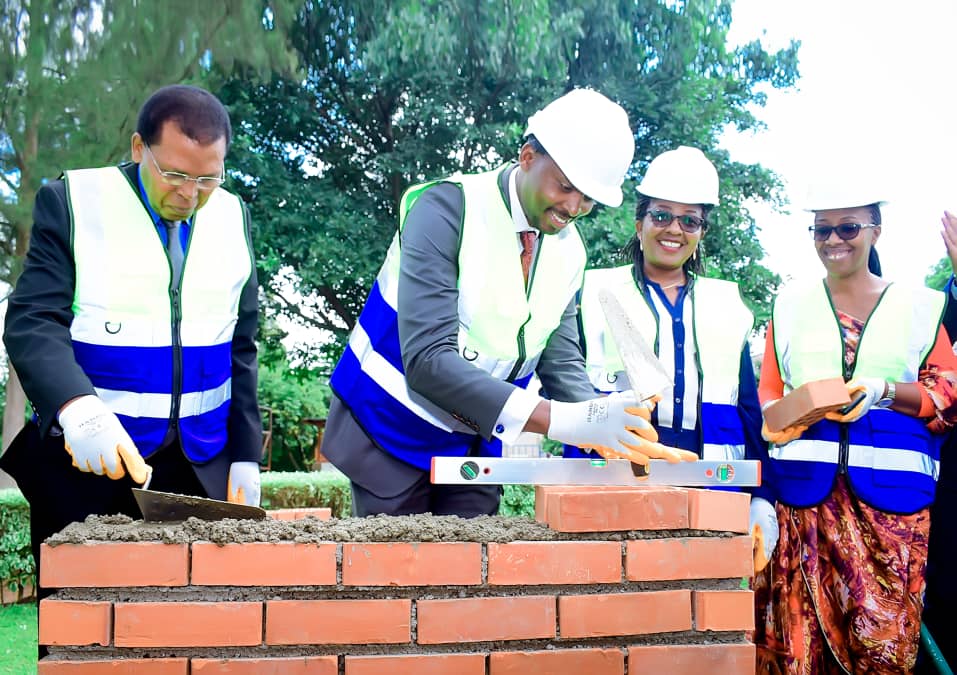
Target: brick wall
[(643, 580)]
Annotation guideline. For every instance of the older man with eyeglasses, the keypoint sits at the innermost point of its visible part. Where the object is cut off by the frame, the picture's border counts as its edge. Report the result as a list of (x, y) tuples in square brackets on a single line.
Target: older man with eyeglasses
[(132, 326)]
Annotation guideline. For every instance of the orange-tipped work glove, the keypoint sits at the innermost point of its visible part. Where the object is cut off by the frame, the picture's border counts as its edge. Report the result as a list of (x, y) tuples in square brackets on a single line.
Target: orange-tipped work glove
[(865, 391), (243, 485), (783, 436), (764, 532), (615, 426), (97, 441)]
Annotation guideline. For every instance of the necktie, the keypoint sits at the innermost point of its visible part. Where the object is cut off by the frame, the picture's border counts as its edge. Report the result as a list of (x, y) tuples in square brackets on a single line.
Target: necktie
[(528, 247), (175, 249)]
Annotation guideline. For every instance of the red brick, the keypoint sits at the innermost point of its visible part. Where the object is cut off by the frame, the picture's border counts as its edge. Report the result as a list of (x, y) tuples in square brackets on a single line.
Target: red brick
[(616, 510), (554, 562), (75, 622), (726, 659), (719, 510), (291, 665), (482, 619), (187, 624), (723, 610), (263, 564), (616, 614), (807, 404), (124, 666), (422, 564), (688, 558), (315, 622), (109, 564), (417, 664), (558, 662), (319, 512)]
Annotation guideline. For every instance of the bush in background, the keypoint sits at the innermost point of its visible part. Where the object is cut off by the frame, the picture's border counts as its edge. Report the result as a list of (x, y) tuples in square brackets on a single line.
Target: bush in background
[(307, 489), (17, 568), (292, 395)]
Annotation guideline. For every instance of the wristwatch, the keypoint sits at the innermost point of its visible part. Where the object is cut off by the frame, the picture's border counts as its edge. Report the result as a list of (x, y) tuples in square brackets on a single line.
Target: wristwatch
[(890, 394)]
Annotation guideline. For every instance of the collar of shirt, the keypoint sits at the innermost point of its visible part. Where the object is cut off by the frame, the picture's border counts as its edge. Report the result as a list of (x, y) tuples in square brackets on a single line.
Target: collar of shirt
[(518, 214), (145, 198), (157, 220)]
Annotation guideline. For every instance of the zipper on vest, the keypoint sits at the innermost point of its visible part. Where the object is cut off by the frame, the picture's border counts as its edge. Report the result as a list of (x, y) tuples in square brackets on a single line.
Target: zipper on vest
[(844, 449), (521, 355), (176, 314)]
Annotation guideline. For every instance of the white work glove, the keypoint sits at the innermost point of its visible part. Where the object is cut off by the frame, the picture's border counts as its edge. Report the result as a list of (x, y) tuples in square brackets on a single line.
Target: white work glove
[(872, 388), (616, 426), (763, 526), (98, 442), (243, 485)]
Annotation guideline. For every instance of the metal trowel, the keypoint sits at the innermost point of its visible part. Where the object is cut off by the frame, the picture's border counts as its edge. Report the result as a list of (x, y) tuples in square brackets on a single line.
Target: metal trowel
[(168, 507), (646, 374)]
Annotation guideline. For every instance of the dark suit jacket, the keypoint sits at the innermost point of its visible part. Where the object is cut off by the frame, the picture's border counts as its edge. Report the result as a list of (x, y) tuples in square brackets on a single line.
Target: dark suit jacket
[(37, 332)]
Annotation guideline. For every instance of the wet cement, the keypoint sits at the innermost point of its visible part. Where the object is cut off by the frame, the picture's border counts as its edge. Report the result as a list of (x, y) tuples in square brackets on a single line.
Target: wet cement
[(413, 528)]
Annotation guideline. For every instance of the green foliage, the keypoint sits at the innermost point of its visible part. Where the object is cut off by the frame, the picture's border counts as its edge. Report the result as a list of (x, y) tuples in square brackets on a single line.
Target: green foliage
[(939, 274), (292, 396), (288, 490), (18, 638), (75, 78), (518, 501), (16, 559), (400, 91)]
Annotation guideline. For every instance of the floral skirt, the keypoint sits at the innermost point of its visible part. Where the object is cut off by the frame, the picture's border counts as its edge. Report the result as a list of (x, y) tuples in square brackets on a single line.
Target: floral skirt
[(844, 589)]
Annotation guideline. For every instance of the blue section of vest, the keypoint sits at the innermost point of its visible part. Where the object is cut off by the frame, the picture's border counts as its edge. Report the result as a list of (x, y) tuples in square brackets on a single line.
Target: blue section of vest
[(892, 463), (148, 370)]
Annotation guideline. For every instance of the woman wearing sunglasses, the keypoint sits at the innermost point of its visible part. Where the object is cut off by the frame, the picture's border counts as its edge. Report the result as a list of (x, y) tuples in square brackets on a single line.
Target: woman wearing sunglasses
[(697, 326), (843, 591)]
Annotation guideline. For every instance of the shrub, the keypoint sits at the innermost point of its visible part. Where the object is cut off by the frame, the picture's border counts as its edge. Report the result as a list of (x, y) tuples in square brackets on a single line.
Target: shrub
[(302, 489), (292, 396), (17, 568)]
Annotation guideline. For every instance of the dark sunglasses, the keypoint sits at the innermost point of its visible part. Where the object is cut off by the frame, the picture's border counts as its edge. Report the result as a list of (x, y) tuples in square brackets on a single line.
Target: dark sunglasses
[(689, 224), (846, 231)]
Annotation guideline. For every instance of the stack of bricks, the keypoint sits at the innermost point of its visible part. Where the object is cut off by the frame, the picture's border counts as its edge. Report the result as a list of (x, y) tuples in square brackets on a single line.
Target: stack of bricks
[(637, 580)]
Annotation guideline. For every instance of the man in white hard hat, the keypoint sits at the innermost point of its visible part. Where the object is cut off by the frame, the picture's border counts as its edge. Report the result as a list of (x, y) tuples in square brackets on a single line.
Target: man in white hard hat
[(476, 295)]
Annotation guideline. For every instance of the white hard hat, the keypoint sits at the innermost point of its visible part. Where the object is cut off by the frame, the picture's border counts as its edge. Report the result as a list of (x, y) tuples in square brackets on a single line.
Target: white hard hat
[(589, 138), (682, 175), (843, 192)]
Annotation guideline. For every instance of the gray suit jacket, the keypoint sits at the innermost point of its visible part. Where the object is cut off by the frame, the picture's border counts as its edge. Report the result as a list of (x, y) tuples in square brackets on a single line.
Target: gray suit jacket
[(428, 332)]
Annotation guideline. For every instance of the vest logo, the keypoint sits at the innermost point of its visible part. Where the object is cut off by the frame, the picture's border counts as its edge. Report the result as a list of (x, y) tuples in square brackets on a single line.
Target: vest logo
[(112, 328)]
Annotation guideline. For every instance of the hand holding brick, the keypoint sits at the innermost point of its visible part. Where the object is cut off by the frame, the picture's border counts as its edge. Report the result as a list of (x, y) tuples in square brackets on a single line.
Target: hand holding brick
[(806, 405)]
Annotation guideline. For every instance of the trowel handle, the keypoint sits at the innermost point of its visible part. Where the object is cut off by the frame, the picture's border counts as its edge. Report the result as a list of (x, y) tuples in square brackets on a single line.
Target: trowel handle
[(149, 477)]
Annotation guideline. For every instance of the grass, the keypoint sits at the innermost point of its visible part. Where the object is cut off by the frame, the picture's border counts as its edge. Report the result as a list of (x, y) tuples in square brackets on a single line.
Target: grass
[(18, 639)]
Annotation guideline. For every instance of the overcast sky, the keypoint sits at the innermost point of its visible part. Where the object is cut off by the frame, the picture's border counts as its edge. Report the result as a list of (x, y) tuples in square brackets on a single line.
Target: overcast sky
[(878, 93)]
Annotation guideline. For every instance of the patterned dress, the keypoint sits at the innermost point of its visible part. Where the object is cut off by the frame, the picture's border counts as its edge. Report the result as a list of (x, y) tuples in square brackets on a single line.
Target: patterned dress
[(846, 582)]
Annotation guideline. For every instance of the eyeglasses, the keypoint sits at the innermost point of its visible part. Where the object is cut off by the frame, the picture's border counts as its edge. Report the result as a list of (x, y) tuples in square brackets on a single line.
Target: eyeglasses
[(846, 231), (690, 224), (177, 179)]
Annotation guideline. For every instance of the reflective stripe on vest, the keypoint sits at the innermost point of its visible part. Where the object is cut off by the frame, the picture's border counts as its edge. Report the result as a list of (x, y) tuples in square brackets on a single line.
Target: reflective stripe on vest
[(122, 327), (722, 323), (502, 329), (892, 459)]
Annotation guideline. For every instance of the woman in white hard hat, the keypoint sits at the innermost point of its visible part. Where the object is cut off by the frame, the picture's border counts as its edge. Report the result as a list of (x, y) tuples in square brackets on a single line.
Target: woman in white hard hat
[(698, 327), (843, 591)]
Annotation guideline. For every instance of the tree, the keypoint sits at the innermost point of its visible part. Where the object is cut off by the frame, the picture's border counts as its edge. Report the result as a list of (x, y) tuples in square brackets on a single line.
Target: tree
[(397, 92), (76, 76), (939, 274)]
